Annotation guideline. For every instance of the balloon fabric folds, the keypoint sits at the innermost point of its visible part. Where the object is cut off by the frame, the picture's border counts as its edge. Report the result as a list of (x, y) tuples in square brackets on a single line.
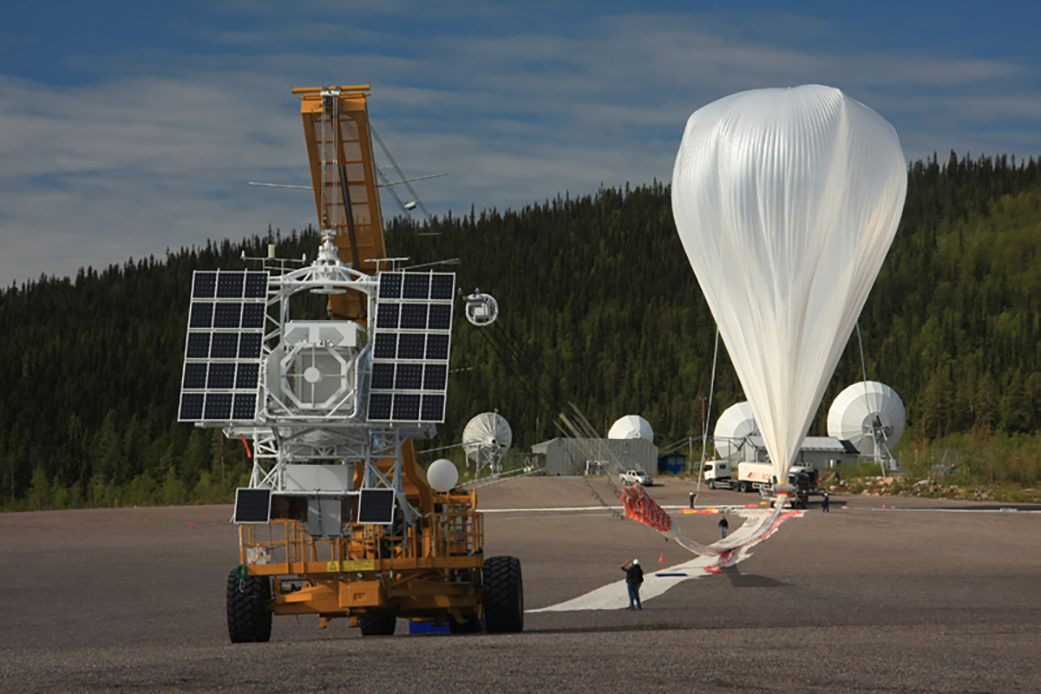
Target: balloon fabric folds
[(786, 201)]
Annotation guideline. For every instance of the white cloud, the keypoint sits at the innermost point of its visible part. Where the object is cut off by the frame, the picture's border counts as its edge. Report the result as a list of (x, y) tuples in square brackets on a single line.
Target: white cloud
[(155, 152)]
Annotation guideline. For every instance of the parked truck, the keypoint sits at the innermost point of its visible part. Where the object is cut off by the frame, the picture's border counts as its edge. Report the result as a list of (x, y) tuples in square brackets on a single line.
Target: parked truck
[(718, 474)]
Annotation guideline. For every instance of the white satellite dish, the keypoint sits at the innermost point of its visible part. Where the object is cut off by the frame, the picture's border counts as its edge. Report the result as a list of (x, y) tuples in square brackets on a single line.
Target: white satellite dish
[(871, 416), (736, 422), (486, 439), (631, 426)]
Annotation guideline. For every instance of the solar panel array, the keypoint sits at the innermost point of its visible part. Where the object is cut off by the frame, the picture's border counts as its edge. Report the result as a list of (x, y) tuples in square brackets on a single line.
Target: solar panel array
[(223, 354), (411, 340)]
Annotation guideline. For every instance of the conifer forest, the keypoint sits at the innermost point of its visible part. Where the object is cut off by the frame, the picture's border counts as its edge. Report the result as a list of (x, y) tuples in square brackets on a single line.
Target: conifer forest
[(599, 308)]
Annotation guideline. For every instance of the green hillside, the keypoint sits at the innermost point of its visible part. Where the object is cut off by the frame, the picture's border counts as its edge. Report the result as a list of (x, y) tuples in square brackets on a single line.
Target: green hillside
[(599, 308)]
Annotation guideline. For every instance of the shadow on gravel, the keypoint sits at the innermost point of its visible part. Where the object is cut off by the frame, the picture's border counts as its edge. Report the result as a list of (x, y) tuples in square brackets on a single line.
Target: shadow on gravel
[(740, 580)]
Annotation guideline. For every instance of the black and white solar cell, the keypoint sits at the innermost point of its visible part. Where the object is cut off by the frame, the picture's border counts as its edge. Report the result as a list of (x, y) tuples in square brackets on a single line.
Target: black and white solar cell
[(247, 376), (411, 339), (413, 316), (417, 286), (230, 285), (224, 346), (433, 409)]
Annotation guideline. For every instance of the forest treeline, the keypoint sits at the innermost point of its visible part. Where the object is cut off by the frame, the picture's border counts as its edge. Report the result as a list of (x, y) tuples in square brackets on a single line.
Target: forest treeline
[(599, 308)]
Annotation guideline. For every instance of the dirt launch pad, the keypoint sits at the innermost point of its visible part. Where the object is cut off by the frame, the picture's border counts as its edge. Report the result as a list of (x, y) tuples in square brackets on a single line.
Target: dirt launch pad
[(920, 596)]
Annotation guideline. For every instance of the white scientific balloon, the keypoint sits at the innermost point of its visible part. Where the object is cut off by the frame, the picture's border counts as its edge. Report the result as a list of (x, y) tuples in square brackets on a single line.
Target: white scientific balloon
[(631, 426), (786, 201), (442, 475), (861, 409), (736, 422)]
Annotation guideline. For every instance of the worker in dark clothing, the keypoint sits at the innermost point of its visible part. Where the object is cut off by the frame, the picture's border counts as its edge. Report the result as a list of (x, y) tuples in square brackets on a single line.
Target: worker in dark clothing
[(724, 526), (633, 579), (825, 503)]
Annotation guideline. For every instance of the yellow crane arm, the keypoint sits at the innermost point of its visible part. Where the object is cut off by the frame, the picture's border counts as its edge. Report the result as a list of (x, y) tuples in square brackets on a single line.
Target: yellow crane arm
[(343, 174)]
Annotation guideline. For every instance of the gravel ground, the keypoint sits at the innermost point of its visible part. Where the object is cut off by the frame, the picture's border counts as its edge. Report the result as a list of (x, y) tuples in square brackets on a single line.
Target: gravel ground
[(929, 596)]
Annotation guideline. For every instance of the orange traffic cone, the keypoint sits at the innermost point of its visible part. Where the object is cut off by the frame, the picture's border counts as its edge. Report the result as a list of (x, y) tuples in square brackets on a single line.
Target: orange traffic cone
[(661, 559)]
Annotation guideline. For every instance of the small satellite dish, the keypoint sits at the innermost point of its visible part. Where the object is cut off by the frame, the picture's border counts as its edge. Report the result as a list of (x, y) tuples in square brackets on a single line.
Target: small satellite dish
[(631, 426), (871, 416), (736, 422), (486, 439)]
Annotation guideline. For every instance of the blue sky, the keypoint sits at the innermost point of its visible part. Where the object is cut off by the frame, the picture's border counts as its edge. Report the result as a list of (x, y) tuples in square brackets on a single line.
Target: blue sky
[(127, 128)]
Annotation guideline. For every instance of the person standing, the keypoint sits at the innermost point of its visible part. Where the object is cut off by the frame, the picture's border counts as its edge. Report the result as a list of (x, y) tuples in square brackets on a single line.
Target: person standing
[(633, 579), (825, 503), (724, 526)]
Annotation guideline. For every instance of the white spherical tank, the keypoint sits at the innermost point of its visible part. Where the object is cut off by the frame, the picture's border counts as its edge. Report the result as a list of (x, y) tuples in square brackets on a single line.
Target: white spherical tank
[(442, 475), (631, 426), (736, 422), (864, 408)]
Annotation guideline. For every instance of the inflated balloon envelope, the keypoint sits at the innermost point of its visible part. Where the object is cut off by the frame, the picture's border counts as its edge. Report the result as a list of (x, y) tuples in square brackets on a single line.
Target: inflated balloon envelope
[(786, 201)]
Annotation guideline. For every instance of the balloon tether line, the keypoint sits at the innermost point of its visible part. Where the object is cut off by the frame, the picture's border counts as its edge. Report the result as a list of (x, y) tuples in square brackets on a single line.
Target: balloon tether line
[(867, 401), (708, 417)]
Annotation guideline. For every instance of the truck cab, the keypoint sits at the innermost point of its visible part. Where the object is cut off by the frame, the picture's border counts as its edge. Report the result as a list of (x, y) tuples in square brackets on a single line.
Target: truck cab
[(717, 473)]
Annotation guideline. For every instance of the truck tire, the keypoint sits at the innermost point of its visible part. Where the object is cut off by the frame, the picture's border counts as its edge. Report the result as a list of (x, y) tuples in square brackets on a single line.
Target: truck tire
[(382, 624), (248, 619), (503, 595)]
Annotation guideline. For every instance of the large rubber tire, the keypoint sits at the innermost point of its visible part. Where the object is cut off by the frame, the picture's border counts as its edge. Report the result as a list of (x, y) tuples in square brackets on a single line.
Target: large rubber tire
[(378, 624), (473, 624), (503, 595), (248, 620)]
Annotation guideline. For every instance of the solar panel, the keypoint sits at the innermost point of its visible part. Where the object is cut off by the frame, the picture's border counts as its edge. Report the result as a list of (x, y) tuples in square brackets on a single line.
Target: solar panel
[(417, 286), (229, 285), (390, 285), (435, 377), (409, 377), (204, 285), (387, 315), (218, 407), (253, 315), (252, 506), (433, 409), (191, 407), (247, 376), (379, 406), (376, 506), (202, 316), (441, 286), (414, 316), (440, 316), (194, 376), (437, 347), (224, 347), (382, 376), (411, 347), (222, 376)]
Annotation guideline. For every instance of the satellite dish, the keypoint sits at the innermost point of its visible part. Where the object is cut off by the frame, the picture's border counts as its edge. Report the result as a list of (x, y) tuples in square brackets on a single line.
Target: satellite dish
[(486, 439), (736, 422), (786, 201), (631, 426), (871, 416)]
